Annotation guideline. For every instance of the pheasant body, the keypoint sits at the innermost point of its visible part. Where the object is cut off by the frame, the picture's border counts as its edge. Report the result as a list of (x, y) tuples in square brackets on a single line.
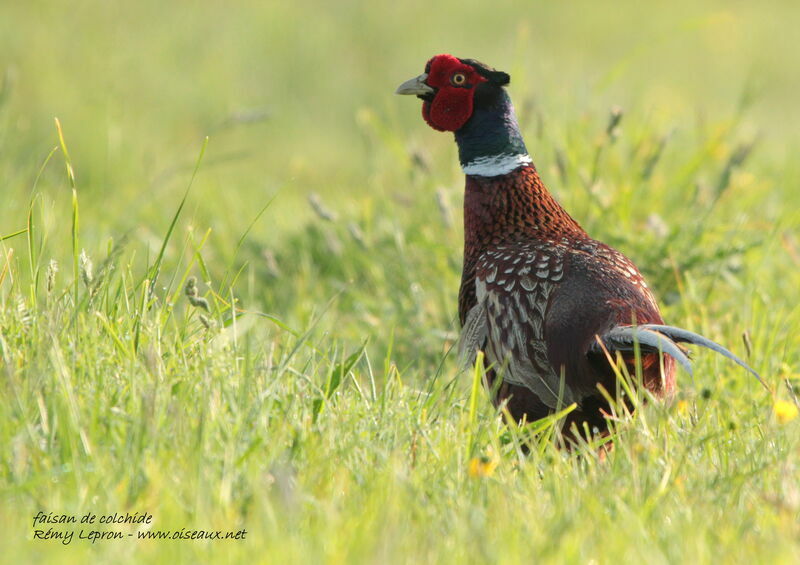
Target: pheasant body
[(535, 289), (544, 301)]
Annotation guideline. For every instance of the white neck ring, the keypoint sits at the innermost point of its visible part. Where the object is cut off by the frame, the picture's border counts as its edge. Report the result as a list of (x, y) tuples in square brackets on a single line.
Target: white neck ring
[(495, 165)]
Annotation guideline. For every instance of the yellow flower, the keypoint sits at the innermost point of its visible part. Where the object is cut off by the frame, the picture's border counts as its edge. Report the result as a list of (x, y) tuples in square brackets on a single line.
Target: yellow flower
[(785, 411), (482, 466)]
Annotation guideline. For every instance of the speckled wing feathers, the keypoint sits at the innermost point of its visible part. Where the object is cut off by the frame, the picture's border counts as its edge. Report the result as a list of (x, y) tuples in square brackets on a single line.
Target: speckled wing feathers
[(513, 285)]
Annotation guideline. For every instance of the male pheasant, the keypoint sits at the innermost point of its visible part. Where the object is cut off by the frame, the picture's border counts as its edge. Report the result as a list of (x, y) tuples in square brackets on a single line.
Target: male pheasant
[(544, 301)]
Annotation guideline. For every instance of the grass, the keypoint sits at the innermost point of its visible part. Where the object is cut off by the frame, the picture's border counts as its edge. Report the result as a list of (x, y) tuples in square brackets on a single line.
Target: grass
[(184, 332)]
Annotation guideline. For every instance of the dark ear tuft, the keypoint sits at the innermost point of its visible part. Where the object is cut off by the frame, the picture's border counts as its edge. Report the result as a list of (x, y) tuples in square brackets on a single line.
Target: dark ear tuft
[(495, 77)]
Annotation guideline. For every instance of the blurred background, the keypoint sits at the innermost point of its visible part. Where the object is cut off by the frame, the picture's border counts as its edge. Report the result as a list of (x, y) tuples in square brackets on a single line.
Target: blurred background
[(287, 91), (297, 98)]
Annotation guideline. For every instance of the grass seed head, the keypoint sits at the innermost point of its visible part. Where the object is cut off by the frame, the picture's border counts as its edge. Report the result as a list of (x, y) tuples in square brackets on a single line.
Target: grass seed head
[(191, 292), (614, 118), (87, 268), (50, 276)]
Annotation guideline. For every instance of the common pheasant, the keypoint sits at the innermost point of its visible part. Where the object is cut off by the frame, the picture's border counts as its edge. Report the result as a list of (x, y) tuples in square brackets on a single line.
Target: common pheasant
[(547, 304)]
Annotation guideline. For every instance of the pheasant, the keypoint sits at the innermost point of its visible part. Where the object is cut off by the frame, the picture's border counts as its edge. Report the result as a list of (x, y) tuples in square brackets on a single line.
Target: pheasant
[(547, 304)]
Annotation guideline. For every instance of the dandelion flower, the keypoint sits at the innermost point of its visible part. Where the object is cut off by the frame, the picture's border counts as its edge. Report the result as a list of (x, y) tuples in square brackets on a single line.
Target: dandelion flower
[(785, 411), (482, 466)]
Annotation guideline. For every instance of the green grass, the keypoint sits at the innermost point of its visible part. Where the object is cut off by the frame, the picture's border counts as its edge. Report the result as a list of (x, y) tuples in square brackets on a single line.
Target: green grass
[(315, 402)]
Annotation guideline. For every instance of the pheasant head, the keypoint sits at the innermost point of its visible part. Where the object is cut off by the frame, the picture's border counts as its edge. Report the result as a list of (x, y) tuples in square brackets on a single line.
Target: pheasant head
[(468, 98)]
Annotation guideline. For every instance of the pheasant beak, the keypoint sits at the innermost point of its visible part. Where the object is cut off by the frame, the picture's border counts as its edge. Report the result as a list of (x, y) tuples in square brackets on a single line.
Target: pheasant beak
[(416, 86)]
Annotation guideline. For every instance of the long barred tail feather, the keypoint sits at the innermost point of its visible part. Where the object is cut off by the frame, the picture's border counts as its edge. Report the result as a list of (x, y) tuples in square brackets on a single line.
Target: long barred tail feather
[(654, 338), (625, 338)]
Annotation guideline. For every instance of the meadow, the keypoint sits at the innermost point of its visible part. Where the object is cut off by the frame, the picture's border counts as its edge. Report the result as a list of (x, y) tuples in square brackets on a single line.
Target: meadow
[(229, 266)]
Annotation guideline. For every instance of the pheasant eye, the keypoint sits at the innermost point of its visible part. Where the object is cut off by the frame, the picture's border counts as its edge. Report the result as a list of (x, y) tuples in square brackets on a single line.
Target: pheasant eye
[(458, 79)]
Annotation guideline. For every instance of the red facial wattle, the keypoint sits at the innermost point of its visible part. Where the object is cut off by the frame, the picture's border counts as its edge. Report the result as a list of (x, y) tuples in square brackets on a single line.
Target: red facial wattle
[(452, 105), (448, 112)]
